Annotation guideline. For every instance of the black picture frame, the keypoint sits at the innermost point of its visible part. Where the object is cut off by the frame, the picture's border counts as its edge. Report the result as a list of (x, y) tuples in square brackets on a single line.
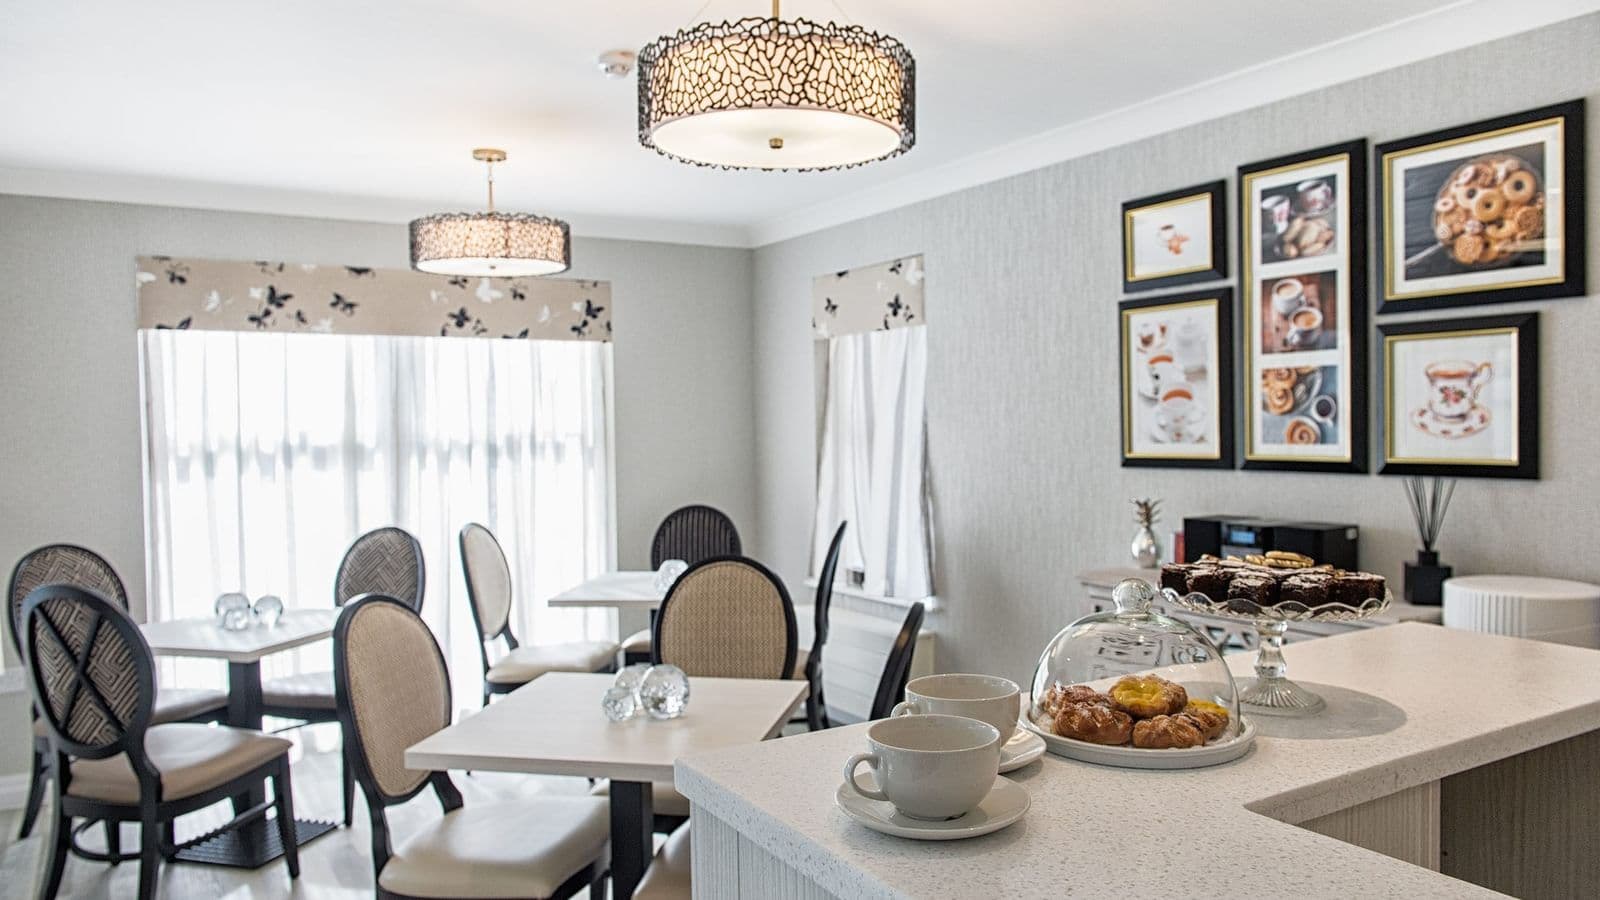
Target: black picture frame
[(1351, 266), (1221, 297), (1217, 270), (1571, 280), (1526, 327)]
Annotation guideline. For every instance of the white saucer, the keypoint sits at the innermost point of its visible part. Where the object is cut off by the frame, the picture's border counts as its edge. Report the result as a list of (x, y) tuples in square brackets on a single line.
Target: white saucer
[(1005, 804), (1023, 748)]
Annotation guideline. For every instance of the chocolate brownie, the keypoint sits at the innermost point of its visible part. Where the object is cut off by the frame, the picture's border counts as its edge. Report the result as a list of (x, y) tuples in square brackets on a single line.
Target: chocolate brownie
[(1261, 590), (1310, 589), (1176, 576), (1209, 580), (1356, 588)]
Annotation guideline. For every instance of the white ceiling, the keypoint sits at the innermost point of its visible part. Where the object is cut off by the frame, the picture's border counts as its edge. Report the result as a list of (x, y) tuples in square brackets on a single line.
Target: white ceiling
[(368, 109)]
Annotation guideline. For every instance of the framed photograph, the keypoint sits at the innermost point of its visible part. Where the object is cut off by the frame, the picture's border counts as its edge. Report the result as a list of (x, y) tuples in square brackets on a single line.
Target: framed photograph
[(1177, 380), (1303, 274), (1179, 237), (1485, 213), (1461, 397)]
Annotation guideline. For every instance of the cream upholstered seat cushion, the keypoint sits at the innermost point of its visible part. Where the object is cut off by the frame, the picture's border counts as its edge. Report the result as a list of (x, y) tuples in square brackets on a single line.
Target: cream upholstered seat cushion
[(638, 642), (526, 848), (178, 704), (668, 875), (191, 758), (308, 690), (664, 798), (528, 662)]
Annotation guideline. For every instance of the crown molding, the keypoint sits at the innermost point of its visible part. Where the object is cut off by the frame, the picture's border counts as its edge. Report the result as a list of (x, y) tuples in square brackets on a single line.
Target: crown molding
[(181, 193), (1458, 25)]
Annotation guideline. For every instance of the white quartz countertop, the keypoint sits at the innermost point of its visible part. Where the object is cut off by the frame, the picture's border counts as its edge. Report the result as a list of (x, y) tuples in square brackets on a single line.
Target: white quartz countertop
[(1407, 705)]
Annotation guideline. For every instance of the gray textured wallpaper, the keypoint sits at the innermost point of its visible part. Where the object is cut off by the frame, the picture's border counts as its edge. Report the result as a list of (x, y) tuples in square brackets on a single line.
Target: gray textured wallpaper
[(1022, 287)]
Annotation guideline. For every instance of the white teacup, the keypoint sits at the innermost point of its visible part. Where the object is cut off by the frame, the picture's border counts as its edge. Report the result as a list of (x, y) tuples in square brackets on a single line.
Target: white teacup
[(1305, 326), (1288, 295), (929, 767), (987, 698)]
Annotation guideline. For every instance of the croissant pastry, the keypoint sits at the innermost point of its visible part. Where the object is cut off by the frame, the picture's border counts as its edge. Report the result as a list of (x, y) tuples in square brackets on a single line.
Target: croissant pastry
[(1094, 723), (1211, 717)]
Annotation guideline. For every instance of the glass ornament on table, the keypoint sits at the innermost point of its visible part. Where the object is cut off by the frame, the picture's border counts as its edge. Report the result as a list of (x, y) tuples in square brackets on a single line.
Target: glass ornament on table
[(620, 703), (267, 610), (232, 611), (664, 692), (668, 574)]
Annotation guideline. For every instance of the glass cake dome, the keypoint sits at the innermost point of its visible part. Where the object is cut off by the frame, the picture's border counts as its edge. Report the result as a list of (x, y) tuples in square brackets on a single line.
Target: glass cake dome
[(1101, 649)]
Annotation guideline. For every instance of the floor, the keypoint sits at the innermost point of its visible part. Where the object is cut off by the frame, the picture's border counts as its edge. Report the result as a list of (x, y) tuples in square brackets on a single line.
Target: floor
[(333, 867)]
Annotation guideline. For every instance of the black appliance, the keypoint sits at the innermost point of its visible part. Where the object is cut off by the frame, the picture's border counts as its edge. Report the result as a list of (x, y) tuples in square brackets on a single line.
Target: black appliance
[(1244, 535)]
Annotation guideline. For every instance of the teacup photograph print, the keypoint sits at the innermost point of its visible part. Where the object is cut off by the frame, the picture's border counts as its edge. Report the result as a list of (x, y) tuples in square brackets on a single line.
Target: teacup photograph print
[(1177, 380), (1175, 238), (1461, 397), (1303, 269), (1490, 212)]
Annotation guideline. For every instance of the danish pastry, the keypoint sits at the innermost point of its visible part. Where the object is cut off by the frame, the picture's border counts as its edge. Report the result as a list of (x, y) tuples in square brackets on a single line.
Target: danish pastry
[(1146, 696), (1167, 733), (1212, 717), (1094, 723)]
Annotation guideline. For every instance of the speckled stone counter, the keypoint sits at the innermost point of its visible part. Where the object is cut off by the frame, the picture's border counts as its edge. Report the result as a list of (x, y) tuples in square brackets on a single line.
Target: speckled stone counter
[(1435, 743)]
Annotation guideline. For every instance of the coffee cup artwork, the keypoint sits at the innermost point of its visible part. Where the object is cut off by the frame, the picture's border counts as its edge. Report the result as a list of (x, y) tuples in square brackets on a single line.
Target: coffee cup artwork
[(1299, 313), (1454, 390), (1174, 365)]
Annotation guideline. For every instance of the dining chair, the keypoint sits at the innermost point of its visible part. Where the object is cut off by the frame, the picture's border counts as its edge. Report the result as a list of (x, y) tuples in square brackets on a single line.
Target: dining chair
[(393, 690), (488, 578), (808, 664), (93, 681), (387, 561), (692, 534), (897, 667), (84, 568)]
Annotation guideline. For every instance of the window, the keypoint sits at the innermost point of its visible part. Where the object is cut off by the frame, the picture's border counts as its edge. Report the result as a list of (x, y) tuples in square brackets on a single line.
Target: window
[(267, 454), (872, 470)]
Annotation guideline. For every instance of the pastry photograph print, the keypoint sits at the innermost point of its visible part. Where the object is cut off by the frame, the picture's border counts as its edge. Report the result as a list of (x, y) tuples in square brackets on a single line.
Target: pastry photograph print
[(1174, 238), (1176, 380), (1460, 397), (1484, 213), (1305, 310)]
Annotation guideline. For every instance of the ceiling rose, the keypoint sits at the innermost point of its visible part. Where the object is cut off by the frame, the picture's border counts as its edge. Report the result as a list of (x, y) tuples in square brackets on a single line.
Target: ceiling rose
[(492, 244), (774, 94)]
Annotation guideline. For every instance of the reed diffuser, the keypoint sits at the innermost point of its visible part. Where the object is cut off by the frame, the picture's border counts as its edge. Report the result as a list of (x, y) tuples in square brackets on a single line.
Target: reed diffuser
[(1430, 500)]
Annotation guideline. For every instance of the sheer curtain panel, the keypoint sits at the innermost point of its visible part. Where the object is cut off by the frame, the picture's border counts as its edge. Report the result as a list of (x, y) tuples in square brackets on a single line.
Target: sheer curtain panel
[(872, 471), (267, 454)]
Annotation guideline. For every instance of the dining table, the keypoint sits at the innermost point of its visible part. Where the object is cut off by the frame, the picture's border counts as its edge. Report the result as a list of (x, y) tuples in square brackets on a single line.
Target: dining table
[(626, 590), (554, 726), (255, 843)]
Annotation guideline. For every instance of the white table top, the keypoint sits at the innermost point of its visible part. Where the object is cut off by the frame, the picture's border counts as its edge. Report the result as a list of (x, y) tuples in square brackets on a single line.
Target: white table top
[(554, 726), (622, 590), (201, 636), (1450, 701)]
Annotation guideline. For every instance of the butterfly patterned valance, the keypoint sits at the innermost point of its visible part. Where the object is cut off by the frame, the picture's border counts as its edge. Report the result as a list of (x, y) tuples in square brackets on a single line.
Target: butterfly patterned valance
[(872, 298), (215, 295)]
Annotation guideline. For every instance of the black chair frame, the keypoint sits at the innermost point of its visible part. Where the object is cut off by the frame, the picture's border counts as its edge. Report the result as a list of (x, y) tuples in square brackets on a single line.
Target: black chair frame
[(897, 667), (378, 800), (816, 717), (153, 813)]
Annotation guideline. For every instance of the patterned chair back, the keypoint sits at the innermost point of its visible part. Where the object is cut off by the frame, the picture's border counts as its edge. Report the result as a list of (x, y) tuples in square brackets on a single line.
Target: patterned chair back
[(59, 564), (91, 672), (727, 617), (384, 561), (391, 688), (488, 579), (694, 534), (897, 668)]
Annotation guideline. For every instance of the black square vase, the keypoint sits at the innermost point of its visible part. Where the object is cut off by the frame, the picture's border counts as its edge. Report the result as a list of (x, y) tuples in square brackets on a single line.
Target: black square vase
[(1425, 579)]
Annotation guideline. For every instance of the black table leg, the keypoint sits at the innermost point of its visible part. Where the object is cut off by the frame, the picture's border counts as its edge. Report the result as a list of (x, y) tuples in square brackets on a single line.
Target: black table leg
[(244, 711), (632, 830)]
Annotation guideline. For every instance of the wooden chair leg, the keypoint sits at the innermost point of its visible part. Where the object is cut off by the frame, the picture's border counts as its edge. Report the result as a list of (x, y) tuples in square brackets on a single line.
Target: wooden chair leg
[(30, 810), (149, 856), (60, 843), (283, 793), (113, 840), (347, 773)]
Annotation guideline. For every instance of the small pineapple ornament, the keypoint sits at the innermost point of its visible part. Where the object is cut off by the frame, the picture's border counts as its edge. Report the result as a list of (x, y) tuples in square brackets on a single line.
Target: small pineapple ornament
[(1146, 547)]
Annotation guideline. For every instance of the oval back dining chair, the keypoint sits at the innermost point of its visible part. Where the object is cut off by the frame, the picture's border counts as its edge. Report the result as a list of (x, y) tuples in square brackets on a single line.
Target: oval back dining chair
[(897, 667), (393, 690), (488, 578), (727, 617), (93, 682), (809, 664), (84, 568), (691, 534), (387, 561)]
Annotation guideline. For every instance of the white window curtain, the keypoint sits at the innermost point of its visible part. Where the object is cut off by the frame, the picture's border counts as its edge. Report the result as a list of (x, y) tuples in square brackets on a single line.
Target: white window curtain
[(267, 454), (873, 470)]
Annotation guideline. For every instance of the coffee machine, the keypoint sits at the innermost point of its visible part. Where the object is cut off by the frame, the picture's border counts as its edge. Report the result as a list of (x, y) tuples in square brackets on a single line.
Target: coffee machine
[(1242, 536)]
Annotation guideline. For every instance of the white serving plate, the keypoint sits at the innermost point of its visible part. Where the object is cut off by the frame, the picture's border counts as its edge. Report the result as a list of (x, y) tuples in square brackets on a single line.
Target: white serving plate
[(1140, 758), (1005, 803)]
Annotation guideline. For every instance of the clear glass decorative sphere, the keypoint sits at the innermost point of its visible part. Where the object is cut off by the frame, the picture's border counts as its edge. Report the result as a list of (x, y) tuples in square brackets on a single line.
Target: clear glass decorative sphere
[(631, 677), (620, 703), (268, 609), (664, 692), (668, 574), (233, 612)]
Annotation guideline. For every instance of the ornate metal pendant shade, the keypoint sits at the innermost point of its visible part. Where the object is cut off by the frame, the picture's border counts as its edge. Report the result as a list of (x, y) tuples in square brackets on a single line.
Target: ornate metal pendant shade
[(770, 94), (494, 244)]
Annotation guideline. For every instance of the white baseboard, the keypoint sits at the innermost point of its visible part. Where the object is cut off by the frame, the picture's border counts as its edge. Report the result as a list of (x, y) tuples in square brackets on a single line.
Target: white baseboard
[(13, 790)]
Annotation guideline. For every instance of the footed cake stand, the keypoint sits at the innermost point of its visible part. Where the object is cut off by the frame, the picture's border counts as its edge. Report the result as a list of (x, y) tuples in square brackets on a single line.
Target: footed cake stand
[(1272, 693)]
